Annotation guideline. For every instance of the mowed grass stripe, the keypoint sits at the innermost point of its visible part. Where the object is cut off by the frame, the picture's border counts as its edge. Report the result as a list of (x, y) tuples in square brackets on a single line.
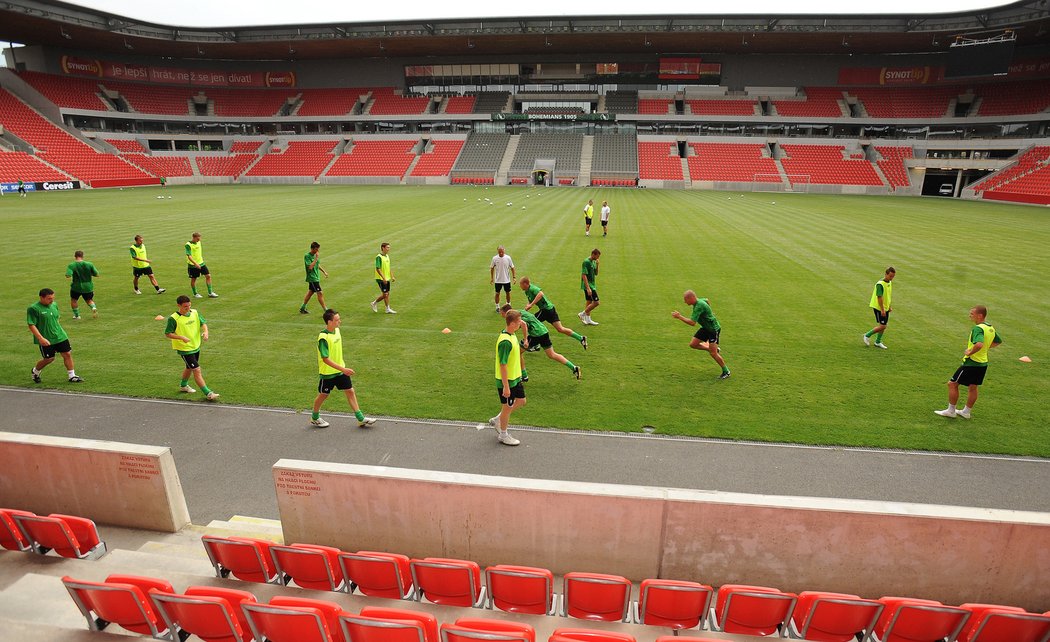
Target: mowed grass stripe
[(789, 282)]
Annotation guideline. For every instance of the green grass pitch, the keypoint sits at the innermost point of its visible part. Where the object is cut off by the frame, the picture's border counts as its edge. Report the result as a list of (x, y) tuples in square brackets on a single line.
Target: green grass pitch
[(788, 275)]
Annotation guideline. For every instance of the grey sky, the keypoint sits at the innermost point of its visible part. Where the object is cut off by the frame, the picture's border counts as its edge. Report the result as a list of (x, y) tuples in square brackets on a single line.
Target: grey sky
[(235, 13)]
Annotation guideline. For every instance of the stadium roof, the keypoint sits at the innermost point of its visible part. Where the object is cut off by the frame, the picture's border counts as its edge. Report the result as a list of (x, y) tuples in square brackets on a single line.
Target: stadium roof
[(59, 24)]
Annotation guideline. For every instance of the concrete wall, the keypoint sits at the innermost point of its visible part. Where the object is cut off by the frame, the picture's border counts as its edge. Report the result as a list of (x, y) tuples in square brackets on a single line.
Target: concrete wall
[(869, 548), (109, 482)]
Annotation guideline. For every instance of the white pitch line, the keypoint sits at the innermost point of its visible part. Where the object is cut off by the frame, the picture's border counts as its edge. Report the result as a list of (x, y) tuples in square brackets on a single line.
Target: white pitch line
[(558, 431)]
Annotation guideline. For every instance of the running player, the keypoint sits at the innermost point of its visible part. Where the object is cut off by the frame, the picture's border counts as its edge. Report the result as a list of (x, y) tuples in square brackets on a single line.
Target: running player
[(142, 266), (80, 272), (42, 318), (589, 285), (537, 338), (546, 311), (706, 338), (334, 373)]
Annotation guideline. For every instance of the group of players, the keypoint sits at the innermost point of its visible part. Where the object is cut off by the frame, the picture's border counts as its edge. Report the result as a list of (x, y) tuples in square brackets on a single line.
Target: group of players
[(187, 328)]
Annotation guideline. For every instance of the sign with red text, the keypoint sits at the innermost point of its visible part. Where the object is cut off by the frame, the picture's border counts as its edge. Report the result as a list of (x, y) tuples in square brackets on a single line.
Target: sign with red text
[(77, 66)]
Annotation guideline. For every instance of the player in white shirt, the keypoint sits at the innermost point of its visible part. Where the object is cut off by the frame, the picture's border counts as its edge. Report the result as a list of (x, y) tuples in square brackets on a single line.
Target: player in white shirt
[(605, 218), (501, 273)]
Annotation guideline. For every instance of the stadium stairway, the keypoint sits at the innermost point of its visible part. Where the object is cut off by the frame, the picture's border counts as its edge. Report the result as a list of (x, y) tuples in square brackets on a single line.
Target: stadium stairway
[(508, 158), (687, 180), (586, 158)]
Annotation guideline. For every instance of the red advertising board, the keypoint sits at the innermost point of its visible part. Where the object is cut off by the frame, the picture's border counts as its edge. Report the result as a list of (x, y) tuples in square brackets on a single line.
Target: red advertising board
[(917, 75), (679, 69), (76, 66)]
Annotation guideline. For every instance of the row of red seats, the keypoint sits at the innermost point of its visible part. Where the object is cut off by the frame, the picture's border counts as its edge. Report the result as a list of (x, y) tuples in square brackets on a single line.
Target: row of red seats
[(752, 610), (151, 606), (68, 535), (20, 166), (613, 182), (472, 180)]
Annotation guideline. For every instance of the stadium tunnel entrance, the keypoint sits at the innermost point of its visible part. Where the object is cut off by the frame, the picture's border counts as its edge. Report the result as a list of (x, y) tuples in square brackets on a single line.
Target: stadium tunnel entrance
[(937, 181)]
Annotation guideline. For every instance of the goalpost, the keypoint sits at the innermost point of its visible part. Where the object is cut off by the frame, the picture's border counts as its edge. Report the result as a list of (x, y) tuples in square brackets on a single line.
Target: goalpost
[(775, 183)]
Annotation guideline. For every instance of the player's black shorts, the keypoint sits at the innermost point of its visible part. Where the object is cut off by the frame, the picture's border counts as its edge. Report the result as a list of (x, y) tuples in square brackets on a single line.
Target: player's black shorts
[(48, 352), (882, 318), (604, 223), (593, 296), (384, 286), (541, 342), (969, 375), (548, 316), (74, 295), (194, 272), (503, 286), (587, 220), (193, 361), (516, 392), (708, 336), (315, 286), (342, 382), (21, 189), (146, 271)]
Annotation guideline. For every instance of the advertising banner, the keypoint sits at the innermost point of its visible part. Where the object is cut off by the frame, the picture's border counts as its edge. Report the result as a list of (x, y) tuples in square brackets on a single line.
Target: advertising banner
[(898, 76), (56, 186), (76, 66), (576, 117), (11, 188), (679, 69)]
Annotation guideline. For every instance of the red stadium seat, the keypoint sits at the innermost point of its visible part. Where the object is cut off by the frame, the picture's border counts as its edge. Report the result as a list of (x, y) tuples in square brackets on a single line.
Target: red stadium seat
[(377, 574), (120, 600), (427, 621), (912, 620), (274, 623), (472, 629), (520, 589), (590, 635), (11, 536), (996, 623), (754, 610), (675, 638), (213, 614), (832, 617), (672, 603), (69, 536), (364, 628), (245, 558), (595, 596), (450, 582), (330, 611), (309, 566)]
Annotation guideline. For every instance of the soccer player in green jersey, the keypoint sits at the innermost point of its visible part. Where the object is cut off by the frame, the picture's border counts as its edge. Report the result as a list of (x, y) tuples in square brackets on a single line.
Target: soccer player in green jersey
[(509, 384), (21, 188), (384, 277), (81, 272), (334, 373), (142, 266), (706, 338), (195, 266), (880, 303), (42, 318), (537, 338), (983, 337), (187, 328), (545, 309), (589, 285), (312, 262)]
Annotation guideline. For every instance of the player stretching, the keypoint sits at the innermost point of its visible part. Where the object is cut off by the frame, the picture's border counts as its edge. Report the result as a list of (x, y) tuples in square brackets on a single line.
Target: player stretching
[(537, 338), (334, 373), (547, 312), (195, 266), (706, 338), (880, 303), (142, 266)]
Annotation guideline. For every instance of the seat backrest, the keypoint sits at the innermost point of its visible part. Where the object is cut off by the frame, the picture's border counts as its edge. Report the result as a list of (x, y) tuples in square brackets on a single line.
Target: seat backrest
[(596, 596), (462, 631), (311, 567), (286, 623), (377, 574), (520, 589), (911, 620), (245, 558), (125, 605), (364, 628), (11, 536), (450, 582), (833, 617), (994, 623), (210, 617), (235, 598), (51, 533), (330, 611), (83, 529), (754, 610), (591, 635), (425, 620), (673, 603)]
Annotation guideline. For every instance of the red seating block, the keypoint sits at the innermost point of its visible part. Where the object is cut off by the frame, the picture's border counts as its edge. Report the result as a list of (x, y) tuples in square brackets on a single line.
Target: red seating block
[(659, 161), (439, 160), (596, 596), (375, 158), (300, 158), (460, 104), (737, 162), (827, 165), (722, 107), (818, 102), (66, 91), (120, 600), (658, 106)]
